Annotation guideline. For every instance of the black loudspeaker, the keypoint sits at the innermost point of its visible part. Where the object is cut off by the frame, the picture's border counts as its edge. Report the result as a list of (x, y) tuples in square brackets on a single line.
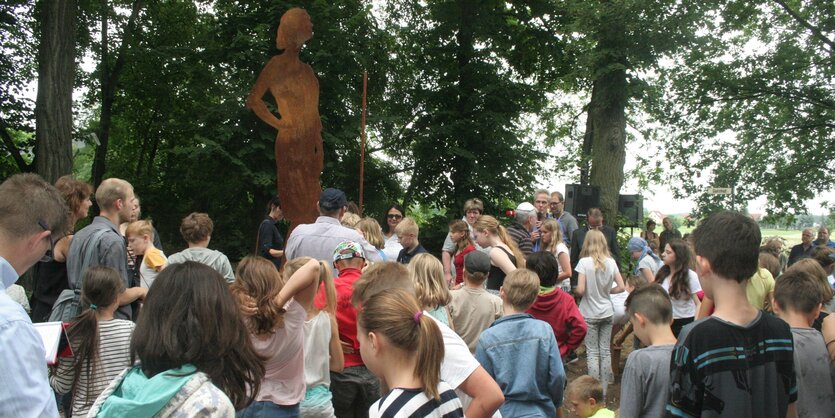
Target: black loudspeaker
[(579, 199), (631, 207)]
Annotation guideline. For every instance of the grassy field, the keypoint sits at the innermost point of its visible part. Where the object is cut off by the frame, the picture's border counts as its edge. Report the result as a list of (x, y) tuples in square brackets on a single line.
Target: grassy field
[(792, 237)]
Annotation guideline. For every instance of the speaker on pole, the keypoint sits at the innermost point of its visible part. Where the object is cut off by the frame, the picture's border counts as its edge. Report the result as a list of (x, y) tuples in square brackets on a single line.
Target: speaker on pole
[(580, 198)]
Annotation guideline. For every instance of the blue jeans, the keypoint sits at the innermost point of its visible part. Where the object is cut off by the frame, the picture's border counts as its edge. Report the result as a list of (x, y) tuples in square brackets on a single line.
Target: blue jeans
[(264, 409)]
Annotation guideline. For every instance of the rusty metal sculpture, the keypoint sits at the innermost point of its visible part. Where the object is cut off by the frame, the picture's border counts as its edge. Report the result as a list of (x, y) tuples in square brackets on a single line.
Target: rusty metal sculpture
[(298, 146)]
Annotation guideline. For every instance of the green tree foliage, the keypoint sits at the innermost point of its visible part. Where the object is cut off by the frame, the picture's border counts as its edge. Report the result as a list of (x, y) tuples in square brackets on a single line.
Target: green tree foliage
[(466, 74), (766, 72), (182, 134), (18, 64)]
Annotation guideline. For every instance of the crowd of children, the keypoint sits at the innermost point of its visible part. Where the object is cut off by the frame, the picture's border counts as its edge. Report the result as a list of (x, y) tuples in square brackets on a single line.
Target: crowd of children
[(390, 339)]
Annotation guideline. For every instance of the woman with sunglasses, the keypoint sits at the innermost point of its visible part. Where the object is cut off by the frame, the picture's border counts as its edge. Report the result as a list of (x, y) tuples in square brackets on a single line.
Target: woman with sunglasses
[(394, 215), (50, 276)]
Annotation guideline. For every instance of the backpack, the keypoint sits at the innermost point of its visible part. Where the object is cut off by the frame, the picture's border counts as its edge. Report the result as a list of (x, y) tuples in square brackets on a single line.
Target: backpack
[(68, 304)]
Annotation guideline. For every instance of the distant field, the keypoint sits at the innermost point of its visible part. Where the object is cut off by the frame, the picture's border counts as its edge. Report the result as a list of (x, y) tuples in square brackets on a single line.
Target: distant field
[(792, 237)]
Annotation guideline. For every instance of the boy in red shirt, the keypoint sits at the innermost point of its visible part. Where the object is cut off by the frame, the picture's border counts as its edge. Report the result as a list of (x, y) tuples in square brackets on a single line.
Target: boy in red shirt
[(355, 389), (554, 306)]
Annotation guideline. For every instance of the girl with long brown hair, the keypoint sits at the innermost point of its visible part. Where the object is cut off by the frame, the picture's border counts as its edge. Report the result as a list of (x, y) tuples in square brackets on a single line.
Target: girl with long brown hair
[(100, 343), (404, 348), (682, 283), (191, 351), (277, 327)]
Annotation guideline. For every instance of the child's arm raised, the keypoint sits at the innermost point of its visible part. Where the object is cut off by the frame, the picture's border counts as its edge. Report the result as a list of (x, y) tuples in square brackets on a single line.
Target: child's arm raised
[(301, 286)]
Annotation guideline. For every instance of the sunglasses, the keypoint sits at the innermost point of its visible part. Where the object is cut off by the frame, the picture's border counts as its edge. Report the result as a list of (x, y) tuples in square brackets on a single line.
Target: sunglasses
[(47, 257), (394, 216)]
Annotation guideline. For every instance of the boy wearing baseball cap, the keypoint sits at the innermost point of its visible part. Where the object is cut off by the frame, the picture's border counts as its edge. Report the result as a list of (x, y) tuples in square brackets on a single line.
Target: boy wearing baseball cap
[(355, 389), (472, 308)]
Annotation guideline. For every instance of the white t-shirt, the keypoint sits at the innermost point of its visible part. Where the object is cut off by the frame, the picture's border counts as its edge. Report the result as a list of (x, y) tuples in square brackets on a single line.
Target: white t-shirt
[(393, 247), (650, 264), (684, 308), (562, 248), (597, 302)]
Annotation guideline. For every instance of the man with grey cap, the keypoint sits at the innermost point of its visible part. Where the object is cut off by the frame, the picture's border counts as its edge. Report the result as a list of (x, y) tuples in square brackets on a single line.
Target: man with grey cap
[(523, 224), (319, 239), (473, 308)]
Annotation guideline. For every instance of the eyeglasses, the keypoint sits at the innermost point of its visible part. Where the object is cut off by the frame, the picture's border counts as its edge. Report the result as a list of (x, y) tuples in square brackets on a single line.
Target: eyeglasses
[(47, 257), (555, 203), (394, 216)]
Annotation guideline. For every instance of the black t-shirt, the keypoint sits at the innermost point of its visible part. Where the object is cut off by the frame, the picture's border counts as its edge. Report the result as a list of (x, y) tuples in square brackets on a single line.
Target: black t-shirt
[(270, 239)]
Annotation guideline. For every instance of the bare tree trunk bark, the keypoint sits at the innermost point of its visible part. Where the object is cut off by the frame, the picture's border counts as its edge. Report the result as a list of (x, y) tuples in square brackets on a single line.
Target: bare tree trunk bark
[(53, 105), (606, 122), (607, 115)]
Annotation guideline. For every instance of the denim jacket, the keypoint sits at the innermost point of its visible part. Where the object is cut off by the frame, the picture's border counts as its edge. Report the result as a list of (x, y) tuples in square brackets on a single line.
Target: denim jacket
[(521, 354)]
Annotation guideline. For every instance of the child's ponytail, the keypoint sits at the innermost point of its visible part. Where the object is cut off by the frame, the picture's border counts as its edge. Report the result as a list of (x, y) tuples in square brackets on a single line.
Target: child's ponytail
[(430, 354), (396, 314), (326, 277), (100, 287)]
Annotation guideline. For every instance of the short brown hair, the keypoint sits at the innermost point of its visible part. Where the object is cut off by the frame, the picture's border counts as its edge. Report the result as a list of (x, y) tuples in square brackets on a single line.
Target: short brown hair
[(797, 291), (811, 267), (586, 387), (381, 277), (651, 301), (29, 205), (196, 227), (521, 287), (730, 242), (111, 190), (474, 204)]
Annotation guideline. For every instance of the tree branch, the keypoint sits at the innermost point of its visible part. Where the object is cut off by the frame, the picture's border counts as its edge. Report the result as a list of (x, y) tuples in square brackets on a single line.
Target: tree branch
[(815, 31), (12, 148)]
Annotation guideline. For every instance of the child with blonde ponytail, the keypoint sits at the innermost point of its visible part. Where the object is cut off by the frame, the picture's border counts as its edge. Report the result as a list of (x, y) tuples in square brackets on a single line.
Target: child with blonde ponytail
[(404, 348), (505, 255), (277, 328), (322, 349)]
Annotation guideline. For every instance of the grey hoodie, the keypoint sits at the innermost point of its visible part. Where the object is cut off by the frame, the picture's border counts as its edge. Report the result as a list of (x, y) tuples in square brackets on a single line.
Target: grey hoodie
[(212, 258)]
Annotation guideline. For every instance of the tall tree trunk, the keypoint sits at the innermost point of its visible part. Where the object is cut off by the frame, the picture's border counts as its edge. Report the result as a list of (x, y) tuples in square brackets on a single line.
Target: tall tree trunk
[(607, 116), (53, 105), (109, 80), (606, 123)]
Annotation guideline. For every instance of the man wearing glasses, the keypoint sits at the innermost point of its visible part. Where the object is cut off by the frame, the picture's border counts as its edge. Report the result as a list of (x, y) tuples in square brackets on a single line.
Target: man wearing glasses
[(567, 220), (33, 216)]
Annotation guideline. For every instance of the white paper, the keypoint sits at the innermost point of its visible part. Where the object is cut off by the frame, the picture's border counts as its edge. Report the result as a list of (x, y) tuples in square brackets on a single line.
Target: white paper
[(51, 335)]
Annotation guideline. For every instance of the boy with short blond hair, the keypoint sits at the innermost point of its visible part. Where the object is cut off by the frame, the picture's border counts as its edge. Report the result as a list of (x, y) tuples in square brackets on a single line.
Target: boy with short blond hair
[(140, 236), (645, 382), (585, 395), (407, 232), (521, 352), (796, 300)]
